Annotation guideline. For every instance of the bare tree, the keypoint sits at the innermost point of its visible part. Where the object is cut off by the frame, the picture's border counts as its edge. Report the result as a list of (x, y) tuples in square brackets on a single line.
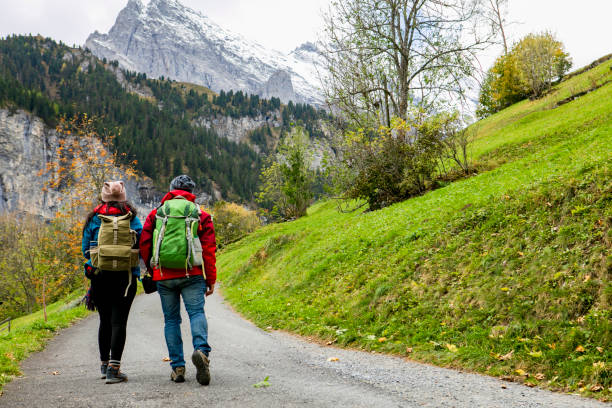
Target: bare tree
[(384, 57), (497, 17)]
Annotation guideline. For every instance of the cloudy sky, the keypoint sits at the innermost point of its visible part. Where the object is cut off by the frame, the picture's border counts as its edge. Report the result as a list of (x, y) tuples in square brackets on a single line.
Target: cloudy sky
[(583, 26)]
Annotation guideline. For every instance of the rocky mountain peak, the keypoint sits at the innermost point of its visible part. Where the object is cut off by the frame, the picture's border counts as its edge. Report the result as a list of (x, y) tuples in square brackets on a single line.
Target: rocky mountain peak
[(166, 38), (279, 84), (307, 47)]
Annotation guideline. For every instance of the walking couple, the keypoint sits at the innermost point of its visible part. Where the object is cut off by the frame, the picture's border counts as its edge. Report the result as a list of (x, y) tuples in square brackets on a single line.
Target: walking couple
[(177, 245)]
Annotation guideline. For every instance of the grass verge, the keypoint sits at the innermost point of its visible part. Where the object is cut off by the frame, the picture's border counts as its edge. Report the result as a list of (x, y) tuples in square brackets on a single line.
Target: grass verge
[(30, 334)]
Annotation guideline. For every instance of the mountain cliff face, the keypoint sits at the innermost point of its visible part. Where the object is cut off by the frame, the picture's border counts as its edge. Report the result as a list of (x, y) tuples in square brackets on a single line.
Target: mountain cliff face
[(26, 146), (165, 38), (237, 129)]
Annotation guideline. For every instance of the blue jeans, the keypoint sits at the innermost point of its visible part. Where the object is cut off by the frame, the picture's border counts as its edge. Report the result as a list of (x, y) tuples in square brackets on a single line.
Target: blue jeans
[(193, 290)]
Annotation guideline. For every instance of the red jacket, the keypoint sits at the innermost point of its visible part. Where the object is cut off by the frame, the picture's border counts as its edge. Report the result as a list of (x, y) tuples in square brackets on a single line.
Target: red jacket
[(206, 232)]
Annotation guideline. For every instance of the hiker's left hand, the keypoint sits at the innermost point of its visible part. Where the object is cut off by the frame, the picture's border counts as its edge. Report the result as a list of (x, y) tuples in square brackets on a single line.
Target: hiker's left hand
[(210, 289)]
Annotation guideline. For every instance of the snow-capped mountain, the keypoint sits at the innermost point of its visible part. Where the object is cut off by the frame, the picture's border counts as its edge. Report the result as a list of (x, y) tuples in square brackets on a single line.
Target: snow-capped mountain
[(167, 38)]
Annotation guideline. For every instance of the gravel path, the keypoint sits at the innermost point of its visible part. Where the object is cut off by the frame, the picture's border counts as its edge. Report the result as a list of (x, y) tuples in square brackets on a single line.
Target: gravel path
[(243, 355)]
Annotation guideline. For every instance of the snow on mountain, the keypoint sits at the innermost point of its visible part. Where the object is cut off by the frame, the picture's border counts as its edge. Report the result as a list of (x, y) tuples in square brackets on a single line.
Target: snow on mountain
[(167, 38)]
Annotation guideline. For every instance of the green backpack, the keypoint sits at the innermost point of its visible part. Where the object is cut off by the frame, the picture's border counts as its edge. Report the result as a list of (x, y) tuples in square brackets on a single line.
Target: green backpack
[(116, 242), (175, 239)]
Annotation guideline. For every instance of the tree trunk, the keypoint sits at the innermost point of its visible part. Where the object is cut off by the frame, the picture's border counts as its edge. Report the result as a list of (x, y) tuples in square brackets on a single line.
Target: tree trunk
[(44, 302)]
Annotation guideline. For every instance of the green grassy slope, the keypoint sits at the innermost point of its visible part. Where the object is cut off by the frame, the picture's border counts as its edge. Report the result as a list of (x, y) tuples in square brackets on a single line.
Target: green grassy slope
[(505, 273)]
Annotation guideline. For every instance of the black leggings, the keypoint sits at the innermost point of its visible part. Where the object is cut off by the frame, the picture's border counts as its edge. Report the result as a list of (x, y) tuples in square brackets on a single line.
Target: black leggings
[(109, 295)]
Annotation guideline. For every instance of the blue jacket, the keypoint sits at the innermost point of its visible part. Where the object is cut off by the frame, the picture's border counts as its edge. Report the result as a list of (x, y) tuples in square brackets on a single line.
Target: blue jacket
[(90, 233)]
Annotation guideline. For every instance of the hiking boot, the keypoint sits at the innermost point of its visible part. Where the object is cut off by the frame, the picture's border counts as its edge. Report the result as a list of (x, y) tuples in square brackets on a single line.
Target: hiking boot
[(113, 375), (201, 362), (103, 368), (178, 374)]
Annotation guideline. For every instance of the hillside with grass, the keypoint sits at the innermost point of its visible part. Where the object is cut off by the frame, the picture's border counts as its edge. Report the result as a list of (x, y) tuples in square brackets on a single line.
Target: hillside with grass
[(506, 272)]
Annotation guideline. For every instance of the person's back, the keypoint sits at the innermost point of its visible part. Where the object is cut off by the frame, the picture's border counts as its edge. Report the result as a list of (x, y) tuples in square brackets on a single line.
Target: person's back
[(110, 245), (178, 247)]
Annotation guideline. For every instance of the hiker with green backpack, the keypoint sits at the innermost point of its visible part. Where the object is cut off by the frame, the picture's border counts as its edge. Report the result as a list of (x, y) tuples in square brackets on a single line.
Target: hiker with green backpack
[(110, 243), (178, 247)]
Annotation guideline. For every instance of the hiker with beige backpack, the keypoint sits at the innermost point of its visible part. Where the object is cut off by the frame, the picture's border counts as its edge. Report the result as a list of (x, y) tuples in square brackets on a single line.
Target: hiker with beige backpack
[(110, 243)]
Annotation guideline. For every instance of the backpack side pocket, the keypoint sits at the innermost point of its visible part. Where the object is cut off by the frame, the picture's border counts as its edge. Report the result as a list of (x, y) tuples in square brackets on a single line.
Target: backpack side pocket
[(93, 253)]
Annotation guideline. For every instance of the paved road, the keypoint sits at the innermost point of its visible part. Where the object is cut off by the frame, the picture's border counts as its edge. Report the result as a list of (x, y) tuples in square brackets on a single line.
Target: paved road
[(243, 355)]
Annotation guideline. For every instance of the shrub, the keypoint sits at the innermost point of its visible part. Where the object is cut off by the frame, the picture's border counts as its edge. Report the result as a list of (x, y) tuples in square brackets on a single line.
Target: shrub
[(287, 179), (502, 87), (529, 70), (541, 60), (388, 165), (233, 221)]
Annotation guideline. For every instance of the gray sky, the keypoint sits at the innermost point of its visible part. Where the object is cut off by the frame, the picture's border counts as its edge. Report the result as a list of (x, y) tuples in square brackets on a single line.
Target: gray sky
[(583, 26)]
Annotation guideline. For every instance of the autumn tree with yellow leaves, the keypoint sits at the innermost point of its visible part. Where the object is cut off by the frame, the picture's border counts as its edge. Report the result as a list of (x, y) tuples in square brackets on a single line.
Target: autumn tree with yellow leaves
[(528, 70)]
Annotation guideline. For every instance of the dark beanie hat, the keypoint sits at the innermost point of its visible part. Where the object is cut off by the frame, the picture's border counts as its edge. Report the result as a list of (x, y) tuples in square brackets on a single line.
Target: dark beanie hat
[(182, 182)]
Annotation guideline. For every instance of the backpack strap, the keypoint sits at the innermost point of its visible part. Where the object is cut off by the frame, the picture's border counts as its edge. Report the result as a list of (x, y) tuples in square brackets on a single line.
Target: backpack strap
[(163, 216), (192, 214), (129, 284)]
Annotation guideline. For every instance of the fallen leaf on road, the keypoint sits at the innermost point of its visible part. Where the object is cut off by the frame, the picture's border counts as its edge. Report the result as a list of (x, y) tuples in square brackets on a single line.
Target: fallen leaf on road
[(504, 387), (452, 348), (596, 388), (600, 349), (599, 364), (506, 356), (540, 376), (263, 384), (408, 349), (329, 343), (536, 354), (521, 372), (521, 253), (166, 359), (333, 359), (382, 339), (580, 349), (531, 385), (55, 372)]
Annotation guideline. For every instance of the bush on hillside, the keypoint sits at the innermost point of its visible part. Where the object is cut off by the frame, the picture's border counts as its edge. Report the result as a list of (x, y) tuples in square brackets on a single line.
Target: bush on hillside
[(404, 160), (529, 70), (503, 86), (541, 60), (233, 221), (287, 179)]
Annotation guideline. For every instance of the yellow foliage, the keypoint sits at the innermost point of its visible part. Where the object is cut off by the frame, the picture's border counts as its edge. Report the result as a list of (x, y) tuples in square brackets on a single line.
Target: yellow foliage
[(233, 221)]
